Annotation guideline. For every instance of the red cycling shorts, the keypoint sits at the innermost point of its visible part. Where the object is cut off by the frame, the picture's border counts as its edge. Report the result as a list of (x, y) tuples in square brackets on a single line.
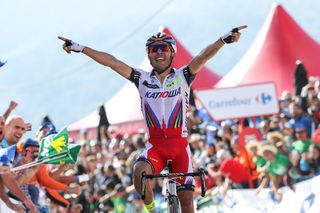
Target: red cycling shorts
[(162, 147)]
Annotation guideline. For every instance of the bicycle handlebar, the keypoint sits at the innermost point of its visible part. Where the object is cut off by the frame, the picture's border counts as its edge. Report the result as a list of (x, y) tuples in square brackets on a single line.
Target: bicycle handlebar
[(202, 181), (202, 172), (143, 185)]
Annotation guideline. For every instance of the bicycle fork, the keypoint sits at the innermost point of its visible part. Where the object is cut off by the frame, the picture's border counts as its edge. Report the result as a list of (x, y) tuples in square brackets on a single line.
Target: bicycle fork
[(173, 204), (171, 188)]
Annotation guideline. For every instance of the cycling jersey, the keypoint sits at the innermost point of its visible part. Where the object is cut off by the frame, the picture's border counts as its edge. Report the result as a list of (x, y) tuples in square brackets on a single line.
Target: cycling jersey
[(164, 105)]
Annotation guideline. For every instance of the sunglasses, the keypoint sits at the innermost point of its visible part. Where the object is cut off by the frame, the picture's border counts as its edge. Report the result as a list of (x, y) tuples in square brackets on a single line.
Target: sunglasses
[(162, 47)]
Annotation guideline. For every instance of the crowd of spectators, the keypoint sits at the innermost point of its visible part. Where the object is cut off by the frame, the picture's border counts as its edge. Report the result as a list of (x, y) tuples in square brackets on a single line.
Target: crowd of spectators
[(285, 151), (284, 155)]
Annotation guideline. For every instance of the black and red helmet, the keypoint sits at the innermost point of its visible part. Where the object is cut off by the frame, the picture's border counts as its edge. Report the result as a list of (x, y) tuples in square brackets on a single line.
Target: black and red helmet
[(164, 38)]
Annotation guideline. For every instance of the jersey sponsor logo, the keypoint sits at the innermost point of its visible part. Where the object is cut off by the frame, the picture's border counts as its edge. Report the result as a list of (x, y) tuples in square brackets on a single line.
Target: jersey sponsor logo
[(151, 86), (153, 159), (174, 82), (165, 94)]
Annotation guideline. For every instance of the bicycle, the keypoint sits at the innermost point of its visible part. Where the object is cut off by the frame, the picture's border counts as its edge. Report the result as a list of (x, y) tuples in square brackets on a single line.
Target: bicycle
[(173, 204)]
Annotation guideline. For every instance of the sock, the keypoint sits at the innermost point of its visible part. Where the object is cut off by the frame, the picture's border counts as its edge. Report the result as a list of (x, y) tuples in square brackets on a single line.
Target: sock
[(151, 206)]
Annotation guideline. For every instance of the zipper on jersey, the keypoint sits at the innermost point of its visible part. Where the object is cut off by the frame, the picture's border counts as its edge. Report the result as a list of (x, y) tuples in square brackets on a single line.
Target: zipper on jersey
[(164, 124)]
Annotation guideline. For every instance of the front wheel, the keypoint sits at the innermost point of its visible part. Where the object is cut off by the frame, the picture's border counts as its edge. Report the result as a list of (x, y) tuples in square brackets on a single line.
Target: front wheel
[(174, 205)]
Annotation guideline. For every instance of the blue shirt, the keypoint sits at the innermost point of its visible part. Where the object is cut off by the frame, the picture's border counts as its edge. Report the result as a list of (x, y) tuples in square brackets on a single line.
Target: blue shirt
[(4, 143), (304, 120), (7, 155)]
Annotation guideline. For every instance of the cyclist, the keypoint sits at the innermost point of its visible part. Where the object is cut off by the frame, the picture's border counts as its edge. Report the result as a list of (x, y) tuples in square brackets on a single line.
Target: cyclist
[(164, 94)]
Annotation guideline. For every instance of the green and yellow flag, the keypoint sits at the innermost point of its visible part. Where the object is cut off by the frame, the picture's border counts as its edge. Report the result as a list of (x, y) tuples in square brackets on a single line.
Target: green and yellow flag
[(54, 149), (71, 157)]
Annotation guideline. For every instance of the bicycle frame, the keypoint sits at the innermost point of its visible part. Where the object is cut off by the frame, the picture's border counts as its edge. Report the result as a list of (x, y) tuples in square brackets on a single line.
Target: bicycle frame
[(171, 192), (173, 204)]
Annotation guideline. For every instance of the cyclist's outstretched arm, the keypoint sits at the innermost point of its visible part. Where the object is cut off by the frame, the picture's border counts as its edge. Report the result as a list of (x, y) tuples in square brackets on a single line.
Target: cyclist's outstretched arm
[(103, 58), (207, 53)]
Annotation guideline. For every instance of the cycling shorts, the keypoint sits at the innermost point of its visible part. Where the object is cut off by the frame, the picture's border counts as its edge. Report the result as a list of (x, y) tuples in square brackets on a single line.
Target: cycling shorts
[(161, 148)]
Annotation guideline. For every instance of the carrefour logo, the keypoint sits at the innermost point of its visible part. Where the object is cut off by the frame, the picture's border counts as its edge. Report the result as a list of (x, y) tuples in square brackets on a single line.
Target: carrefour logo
[(263, 98)]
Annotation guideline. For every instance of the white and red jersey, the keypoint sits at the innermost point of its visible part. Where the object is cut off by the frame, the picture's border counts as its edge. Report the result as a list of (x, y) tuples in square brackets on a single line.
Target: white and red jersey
[(164, 106)]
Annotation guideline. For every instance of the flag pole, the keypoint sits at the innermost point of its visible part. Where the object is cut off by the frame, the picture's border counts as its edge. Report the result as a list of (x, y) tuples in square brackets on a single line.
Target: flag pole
[(40, 161)]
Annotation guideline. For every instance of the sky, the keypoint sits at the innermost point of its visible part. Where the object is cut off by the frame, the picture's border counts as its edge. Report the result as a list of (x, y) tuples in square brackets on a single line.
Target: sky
[(44, 80)]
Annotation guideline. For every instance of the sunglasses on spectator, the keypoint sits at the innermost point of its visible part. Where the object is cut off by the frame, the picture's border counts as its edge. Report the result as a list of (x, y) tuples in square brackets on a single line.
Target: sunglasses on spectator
[(34, 153), (156, 47)]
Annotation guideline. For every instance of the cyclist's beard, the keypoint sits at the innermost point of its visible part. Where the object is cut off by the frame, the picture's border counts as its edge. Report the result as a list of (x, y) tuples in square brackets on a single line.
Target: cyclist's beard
[(164, 69)]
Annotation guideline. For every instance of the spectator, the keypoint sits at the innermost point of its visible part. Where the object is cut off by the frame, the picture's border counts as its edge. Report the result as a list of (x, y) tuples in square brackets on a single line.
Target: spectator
[(119, 199), (196, 146), (299, 118), (289, 134), (274, 137), (294, 172), (274, 123), (46, 119), (313, 110), (102, 134), (308, 93), (88, 201), (253, 147), (246, 159), (4, 197), (277, 139), (14, 129), (2, 121), (84, 139), (193, 120), (8, 179), (285, 101), (210, 154), (303, 142), (232, 169), (134, 204), (314, 158), (212, 133), (45, 129), (264, 127), (277, 165), (110, 174), (31, 177), (284, 118)]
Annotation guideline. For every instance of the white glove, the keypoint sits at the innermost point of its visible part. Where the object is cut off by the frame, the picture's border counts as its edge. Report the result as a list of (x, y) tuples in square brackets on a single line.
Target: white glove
[(233, 35), (83, 178), (228, 38), (70, 45), (75, 47)]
